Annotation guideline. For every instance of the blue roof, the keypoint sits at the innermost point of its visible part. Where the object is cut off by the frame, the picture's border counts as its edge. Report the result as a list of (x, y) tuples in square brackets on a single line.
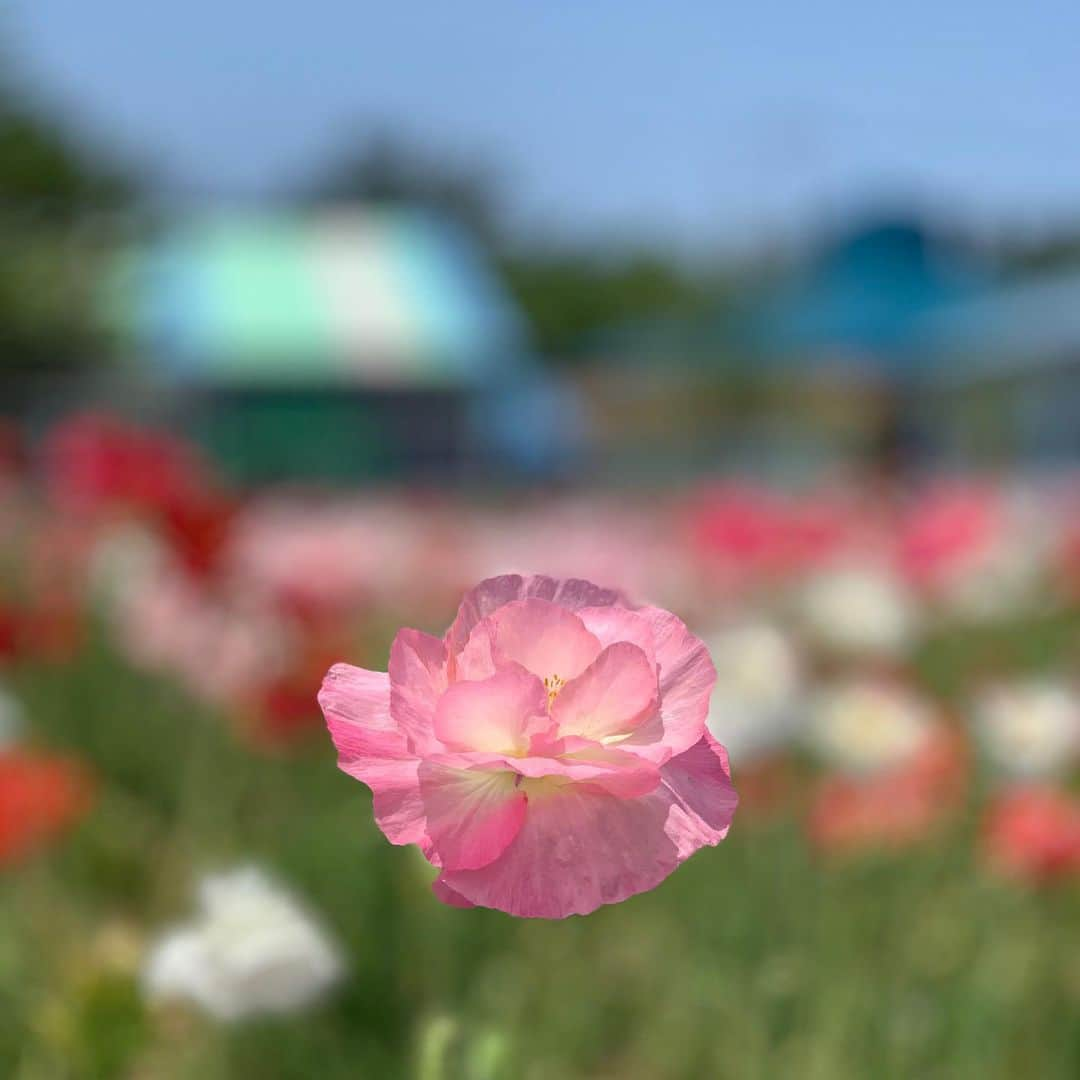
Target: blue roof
[(865, 298)]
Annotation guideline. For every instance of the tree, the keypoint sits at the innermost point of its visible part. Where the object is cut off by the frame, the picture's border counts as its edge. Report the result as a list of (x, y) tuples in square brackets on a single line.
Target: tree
[(390, 169), (48, 273), (571, 296)]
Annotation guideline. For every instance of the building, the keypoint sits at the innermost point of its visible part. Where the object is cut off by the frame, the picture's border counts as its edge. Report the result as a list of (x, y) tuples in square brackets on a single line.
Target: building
[(365, 343)]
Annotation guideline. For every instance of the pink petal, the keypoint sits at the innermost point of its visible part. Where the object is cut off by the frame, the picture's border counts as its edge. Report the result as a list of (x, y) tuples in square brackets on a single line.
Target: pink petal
[(398, 806), (477, 660), (472, 815), (623, 775), (687, 677), (611, 624), (417, 680), (703, 800), (611, 697), (356, 704), (499, 714), (577, 849), (494, 593), (447, 895), (543, 638)]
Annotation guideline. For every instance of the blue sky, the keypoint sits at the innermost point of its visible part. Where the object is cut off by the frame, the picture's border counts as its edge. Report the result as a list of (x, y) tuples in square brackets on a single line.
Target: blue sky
[(693, 121)]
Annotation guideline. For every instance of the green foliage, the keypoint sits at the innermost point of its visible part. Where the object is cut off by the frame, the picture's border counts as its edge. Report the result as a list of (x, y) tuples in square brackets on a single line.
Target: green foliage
[(49, 264), (49, 274), (41, 172), (387, 169), (570, 297)]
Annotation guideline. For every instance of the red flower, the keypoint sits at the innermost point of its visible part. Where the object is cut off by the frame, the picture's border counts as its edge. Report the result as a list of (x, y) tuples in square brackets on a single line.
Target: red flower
[(196, 524), (39, 798), (9, 633), (286, 708), (95, 463), (1033, 833), (287, 711), (100, 466), (48, 627)]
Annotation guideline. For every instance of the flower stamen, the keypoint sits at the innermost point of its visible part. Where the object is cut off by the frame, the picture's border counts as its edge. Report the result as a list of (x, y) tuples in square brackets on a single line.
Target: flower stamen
[(553, 684)]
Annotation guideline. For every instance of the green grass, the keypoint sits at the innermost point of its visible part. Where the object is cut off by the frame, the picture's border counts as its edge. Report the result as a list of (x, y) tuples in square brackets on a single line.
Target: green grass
[(755, 960)]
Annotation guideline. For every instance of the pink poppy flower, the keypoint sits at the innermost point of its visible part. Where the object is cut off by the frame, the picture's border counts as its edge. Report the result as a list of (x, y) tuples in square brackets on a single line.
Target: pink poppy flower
[(548, 755)]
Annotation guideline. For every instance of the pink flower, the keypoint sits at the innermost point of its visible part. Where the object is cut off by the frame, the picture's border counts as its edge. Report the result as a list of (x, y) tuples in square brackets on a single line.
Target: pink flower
[(745, 530), (1033, 834), (944, 529), (548, 755)]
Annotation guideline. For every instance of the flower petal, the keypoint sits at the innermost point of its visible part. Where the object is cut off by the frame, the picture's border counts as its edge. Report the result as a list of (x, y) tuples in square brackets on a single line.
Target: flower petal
[(472, 814), (611, 697), (577, 849), (371, 748), (623, 775), (499, 714), (417, 679), (447, 895), (612, 623), (356, 704), (703, 799), (687, 676), (544, 639), (492, 594), (477, 660)]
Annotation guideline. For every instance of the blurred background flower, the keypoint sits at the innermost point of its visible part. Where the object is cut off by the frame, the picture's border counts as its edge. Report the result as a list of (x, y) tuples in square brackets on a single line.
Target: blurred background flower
[(868, 726), (858, 610), (757, 705), (250, 949), (1029, 730)]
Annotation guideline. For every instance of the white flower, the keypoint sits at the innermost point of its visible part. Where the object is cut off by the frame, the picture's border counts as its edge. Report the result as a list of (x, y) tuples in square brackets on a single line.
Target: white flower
[(1002, 580), (11, 718), (754, 707), (1029, 729), (859, 609), (866, 726), (121, 563), (251, 949)]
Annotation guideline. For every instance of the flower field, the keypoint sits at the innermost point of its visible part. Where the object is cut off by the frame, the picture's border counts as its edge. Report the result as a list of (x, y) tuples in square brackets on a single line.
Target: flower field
[(190, 888)]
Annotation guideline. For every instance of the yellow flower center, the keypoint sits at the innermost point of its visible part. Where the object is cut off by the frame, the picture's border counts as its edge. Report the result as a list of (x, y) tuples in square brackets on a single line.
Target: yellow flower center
[(553, 684)]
